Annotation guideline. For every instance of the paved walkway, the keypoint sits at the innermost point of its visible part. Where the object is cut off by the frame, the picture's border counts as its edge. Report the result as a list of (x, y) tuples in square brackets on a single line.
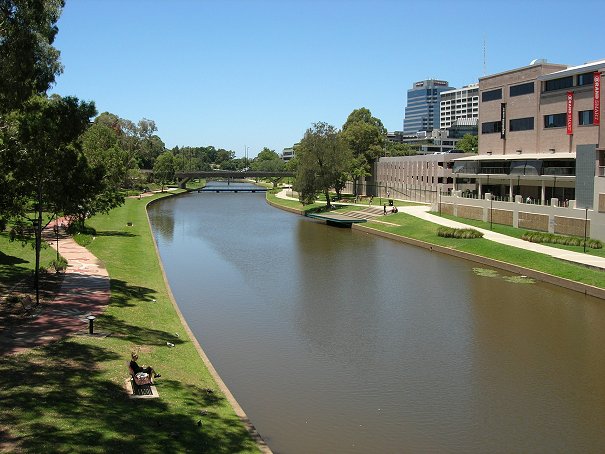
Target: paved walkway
[(422, 212), (83, 292)]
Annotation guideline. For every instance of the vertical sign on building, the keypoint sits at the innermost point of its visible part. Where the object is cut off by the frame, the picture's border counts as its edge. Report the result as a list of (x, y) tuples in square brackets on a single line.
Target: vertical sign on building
[(570, 112), (503, 120), (597, 98)]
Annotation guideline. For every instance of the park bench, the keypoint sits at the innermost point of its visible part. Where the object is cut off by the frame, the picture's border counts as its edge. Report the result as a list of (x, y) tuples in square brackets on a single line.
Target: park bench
[(141, 382)]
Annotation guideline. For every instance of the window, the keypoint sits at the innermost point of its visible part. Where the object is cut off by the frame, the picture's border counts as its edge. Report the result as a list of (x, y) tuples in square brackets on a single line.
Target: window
[(521, 124), (491, 127), (585, 117), (523, 89), (558, 84), (491, 95), (585, 79), (555, 120)]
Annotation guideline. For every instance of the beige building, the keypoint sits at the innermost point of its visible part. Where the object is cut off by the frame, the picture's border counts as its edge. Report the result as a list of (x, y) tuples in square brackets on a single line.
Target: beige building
[(539, 146), (419, 177)]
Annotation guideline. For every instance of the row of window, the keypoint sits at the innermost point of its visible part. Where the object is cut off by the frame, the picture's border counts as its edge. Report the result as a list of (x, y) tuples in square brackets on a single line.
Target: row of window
[(529, 87), (585, 117)]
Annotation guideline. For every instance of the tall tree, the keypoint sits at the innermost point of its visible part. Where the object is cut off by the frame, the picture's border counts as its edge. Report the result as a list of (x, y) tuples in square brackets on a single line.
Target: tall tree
[(163, 169), (44, 161), (365, 136), (28, 61), (323, 158)]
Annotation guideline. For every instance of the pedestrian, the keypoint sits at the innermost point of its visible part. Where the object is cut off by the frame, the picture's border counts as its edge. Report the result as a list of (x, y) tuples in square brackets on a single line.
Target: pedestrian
[(385, 209)]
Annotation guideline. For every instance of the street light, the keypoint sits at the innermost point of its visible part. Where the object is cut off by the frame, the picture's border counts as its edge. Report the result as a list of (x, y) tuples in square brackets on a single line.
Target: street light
[(57, 235)]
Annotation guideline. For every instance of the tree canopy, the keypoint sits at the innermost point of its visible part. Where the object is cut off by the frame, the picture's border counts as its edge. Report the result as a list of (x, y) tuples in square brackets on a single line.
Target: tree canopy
[(469, 143), (323, 161), (28, 61), (365, 136)]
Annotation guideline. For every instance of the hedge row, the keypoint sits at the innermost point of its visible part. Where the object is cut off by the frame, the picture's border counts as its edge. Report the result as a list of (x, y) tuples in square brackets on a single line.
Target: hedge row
[(543, 237), (449, 232)]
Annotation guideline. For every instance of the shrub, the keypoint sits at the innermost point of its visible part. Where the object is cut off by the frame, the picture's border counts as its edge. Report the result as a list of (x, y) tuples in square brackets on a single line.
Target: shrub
[(449, 232), (58, 265), (550, 238)]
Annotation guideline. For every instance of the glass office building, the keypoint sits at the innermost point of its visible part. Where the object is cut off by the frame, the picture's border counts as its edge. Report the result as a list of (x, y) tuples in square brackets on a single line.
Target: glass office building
[(422, 110)]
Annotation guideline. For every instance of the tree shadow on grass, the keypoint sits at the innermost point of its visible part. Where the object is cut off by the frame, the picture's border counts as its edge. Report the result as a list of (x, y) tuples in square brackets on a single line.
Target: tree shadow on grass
[(115, 233), (124, 295), (136, 334), (54, 400)]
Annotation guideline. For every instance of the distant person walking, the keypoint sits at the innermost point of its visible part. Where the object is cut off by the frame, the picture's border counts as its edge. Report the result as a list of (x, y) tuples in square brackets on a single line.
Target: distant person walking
[(385, 209)]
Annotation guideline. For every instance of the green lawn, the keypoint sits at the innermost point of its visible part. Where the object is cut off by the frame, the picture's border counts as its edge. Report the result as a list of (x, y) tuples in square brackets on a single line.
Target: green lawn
[(412, 227), (68, 397), (518, 233), (18, 261)]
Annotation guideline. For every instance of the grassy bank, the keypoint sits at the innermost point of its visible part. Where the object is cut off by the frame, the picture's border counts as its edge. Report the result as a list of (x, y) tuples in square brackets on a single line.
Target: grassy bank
[(518, 233), (411, 227), (69, 397)]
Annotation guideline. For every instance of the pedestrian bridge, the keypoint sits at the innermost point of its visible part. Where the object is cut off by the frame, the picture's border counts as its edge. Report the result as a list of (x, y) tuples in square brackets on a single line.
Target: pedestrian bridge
[(184, 177)]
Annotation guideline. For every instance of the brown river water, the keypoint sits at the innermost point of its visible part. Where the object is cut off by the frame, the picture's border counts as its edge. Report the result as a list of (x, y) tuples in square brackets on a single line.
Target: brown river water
[(336, 341)]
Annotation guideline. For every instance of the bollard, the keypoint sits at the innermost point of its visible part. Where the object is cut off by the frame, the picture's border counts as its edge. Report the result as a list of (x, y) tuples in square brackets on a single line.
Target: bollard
[(91, 323)]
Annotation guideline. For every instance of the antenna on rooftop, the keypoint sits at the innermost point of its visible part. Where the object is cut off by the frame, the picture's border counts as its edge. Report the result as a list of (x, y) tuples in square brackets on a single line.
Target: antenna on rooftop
[(484, 58)]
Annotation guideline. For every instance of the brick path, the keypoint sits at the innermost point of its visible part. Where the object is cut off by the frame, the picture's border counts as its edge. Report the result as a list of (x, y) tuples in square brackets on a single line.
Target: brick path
[(84, 291)]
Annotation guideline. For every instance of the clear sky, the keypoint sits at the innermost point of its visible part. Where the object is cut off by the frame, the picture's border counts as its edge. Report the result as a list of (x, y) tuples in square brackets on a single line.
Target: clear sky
[(255, 73)]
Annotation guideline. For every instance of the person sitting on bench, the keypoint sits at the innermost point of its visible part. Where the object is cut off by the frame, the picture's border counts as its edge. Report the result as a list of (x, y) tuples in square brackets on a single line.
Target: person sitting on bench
[(136, 368)]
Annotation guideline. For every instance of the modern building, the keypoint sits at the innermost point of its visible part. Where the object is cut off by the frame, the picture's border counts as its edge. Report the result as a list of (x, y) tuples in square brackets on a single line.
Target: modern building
[(423, 104), (287, 154), (539, 142), (457, 104), (421, 177)]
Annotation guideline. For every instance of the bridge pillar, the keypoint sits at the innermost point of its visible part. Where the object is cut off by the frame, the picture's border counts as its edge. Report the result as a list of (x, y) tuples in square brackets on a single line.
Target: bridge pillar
[(183, 183)]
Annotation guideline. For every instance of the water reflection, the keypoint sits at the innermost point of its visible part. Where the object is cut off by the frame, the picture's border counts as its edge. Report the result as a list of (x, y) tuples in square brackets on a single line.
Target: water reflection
[(337, 341)]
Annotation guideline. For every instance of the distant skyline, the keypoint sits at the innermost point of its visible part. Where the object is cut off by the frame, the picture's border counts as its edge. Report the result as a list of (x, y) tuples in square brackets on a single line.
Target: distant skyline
[(236, 74)]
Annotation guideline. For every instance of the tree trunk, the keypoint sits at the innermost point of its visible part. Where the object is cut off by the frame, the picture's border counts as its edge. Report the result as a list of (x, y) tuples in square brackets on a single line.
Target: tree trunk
[(327, 194), (38, 234)]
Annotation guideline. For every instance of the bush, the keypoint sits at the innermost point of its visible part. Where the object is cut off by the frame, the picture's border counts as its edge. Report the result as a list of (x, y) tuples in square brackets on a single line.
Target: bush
[(449, 232), (550, 238), (58, 265)]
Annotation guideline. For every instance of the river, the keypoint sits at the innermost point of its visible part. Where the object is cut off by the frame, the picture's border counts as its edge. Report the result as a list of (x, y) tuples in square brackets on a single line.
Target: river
[(337, 341)]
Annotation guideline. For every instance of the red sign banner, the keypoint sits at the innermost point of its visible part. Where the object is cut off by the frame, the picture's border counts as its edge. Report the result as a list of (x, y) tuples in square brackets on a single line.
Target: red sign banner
[(570, 112), (597, 98)]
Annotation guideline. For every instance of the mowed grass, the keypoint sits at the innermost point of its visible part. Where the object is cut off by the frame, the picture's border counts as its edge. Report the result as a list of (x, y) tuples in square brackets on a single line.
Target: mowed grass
[(69, 396), (18, 261), (518, 233), (412, 227)]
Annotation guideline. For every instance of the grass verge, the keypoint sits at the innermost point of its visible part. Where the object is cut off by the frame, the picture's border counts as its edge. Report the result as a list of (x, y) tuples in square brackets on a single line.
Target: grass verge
[(69, 396), (412, 227), (518, 233)]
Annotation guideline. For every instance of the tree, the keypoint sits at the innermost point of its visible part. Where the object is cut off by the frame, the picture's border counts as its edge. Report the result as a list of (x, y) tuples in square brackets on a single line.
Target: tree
[(323, 159), (28, 61), (268, 161), (365, 136), (399, 149), (469, 143), (163, 169), (44, 163), (102, 150)]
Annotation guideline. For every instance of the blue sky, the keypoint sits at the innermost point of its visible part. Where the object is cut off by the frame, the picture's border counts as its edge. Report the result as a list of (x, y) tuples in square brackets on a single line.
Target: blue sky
[(254, 73)]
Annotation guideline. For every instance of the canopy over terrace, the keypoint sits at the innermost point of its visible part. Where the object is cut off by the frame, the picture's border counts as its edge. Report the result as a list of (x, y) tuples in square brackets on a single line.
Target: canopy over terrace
[(538, 176)]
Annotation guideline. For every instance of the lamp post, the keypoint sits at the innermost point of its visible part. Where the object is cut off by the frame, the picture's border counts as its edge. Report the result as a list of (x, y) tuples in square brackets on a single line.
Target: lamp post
[(57, 235)]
